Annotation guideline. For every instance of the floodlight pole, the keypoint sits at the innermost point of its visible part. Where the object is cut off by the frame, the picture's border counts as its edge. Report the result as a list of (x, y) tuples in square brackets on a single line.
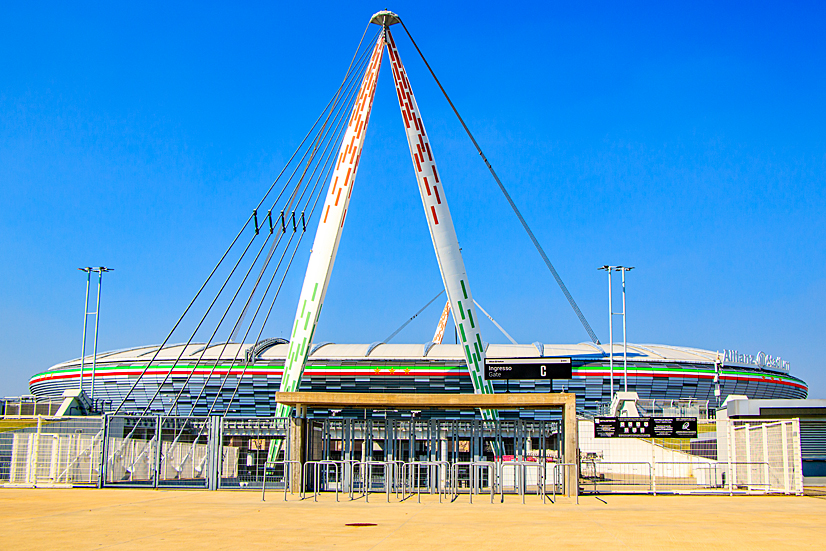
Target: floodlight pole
[(86, 313), (100, 270), (610, 269), (611, 315), (624, 269)]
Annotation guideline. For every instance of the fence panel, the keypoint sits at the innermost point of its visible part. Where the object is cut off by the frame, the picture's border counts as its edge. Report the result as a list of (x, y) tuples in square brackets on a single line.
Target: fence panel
[(49, 451), (765, 456)]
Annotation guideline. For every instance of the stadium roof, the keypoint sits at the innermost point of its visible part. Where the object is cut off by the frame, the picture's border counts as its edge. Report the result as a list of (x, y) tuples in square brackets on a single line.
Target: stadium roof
[(406, 352)]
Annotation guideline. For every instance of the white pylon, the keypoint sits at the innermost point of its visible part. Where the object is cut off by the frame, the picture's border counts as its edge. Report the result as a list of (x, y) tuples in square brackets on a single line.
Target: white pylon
[(442, 232), (333, 215)]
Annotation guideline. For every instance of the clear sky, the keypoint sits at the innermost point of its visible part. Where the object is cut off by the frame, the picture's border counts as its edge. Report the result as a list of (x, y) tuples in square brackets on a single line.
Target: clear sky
[(687, 141)]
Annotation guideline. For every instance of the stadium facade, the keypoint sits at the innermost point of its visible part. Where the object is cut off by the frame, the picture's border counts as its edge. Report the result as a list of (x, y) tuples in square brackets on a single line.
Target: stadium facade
[(241, 380)]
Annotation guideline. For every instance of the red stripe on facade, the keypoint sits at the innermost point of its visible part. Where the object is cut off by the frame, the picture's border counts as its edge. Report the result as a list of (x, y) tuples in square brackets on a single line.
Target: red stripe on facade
[(435, 219), (326, 213), (338, 196), (436, 174), (436, 191), (418, 166), (429, 155), (426, 185), (180, 371)]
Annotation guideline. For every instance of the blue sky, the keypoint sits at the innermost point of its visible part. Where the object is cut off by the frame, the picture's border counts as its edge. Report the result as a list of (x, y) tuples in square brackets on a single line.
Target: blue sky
[(687, 141)]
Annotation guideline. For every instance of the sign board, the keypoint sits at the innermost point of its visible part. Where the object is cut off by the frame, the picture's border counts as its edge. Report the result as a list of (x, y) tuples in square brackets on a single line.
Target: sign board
[(645, 427), (527, 368)]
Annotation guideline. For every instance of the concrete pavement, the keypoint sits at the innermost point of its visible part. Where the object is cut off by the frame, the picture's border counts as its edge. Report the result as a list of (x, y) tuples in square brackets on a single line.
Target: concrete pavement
[(179, 519)]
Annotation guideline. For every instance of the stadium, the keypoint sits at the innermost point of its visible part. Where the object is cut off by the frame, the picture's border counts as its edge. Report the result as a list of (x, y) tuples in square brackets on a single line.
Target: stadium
[(241, 380), (222, 376)]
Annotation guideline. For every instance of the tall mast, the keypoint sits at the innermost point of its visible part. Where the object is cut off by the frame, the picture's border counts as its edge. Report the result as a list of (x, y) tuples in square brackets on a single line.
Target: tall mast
[(440, 223)]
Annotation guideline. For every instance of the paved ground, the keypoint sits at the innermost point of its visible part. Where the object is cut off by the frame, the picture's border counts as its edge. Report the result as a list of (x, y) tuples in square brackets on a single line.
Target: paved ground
[(147, 519)]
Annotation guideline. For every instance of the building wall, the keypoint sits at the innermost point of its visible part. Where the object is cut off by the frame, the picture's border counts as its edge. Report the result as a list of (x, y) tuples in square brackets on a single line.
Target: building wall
[(255, 390)]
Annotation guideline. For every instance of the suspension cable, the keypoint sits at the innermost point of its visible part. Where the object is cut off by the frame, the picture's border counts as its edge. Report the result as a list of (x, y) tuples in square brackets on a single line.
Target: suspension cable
[(422, 309), (333, 102)]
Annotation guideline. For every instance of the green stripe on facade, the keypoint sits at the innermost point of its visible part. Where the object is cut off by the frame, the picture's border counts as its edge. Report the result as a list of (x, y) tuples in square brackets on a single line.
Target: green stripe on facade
[(462, 330), (303, 308), (294, 329), (467, 352), (307, 321), (461, 311), (470, 317), (312, 298), (464, 291), (479, 340)]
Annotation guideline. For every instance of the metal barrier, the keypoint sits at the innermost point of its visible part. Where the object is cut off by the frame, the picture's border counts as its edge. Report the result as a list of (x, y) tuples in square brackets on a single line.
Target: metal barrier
[(557, 469), (435, 470), (366, 467), (629, 478), (474, 478), (287, 477), (317, 478), (520, 472)]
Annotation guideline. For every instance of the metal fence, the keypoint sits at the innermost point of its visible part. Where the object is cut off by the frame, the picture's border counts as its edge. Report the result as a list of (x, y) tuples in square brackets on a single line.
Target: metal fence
[(45, 451), (726, 457), (398, 459)]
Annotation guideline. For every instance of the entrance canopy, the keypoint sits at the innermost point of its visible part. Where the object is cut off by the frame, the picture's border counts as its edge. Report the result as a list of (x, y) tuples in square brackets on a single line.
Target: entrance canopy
[(374, 400)]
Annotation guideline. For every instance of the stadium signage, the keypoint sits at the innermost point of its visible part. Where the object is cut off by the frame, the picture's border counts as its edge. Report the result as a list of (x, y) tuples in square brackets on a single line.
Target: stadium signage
[(760, 360), (645, 427), (528, 368)]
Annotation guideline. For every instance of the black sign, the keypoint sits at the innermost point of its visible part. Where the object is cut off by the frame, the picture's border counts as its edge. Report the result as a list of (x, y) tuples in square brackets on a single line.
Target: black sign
[(675, 427), (528, 368), (645, 427)]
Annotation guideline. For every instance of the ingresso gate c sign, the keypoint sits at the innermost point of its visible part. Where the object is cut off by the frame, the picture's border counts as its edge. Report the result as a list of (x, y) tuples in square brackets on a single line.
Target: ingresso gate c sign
[(527, 368)]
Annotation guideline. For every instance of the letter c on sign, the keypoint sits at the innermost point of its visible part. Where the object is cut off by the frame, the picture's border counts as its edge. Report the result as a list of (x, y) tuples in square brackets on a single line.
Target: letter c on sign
[(542, 371)]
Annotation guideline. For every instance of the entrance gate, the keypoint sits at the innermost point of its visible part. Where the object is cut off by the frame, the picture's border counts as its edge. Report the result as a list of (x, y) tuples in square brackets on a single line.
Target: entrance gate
[(450, 455)]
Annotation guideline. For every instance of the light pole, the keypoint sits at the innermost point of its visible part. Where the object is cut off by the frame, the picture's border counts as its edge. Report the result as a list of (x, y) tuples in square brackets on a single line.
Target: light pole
[(624, 269), (99, 271), (611, 314)]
